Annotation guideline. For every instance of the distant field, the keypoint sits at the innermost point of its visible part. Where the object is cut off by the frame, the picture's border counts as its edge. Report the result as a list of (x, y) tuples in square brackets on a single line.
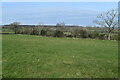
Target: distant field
[(26, 56)]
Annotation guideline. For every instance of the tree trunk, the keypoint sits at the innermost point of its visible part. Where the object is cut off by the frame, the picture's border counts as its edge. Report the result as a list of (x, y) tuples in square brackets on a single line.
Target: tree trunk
[(109, 36), (39, 32)]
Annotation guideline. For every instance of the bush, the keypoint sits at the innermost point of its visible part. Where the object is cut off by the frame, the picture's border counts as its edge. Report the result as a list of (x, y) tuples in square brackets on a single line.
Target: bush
[(18, 31), (76, 33), (43, 32), (103, 36), (83, 34), (68, 34), (93, 35), (114, 37), (58, 34), (34, 32), (50, 33)]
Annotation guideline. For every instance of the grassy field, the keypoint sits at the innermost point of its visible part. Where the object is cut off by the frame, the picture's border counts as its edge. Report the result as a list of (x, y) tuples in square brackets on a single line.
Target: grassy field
[(0, 56), (26, 56)]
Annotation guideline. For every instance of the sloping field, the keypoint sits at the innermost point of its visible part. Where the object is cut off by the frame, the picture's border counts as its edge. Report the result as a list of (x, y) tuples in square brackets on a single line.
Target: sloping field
[(26, 56)]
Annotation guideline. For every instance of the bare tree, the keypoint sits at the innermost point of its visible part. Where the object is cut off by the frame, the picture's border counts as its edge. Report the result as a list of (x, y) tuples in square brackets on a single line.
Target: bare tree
[(62, 24), (109, 20), (14, 26)]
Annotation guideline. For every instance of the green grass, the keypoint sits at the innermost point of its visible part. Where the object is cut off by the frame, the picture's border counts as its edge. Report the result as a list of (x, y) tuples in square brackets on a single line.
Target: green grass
[(6, 31), (0, 56), (26, 56)]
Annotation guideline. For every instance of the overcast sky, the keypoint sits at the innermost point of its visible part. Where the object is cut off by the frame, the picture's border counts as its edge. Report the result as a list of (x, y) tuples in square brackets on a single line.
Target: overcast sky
[(79, 13)]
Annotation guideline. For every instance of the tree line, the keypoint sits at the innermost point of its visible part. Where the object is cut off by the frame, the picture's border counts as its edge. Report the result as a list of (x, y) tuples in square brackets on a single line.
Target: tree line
[(107, 22)]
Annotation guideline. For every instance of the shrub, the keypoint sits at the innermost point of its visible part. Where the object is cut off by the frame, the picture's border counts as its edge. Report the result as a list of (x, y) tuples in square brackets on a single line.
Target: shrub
[(17, 31), (93, 35), (43, 32), (76, 33), (114, 37), (103, 36), (68, 34), (58, 34), (34, 32), (50, 33), (83, 34), (26, 31)]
